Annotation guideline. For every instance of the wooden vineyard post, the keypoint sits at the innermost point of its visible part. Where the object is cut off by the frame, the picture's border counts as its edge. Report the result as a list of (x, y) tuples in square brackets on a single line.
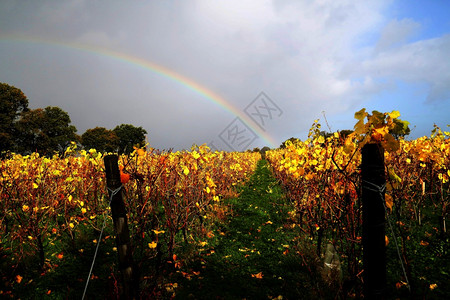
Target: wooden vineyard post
[(373, 239), (119, 216)]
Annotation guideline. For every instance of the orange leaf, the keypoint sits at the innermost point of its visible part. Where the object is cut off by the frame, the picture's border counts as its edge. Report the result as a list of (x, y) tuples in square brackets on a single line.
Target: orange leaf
[(423, 243), (389, 201), (140, 152), (124, 178), (19, 279), (400, 284), (258, 275)]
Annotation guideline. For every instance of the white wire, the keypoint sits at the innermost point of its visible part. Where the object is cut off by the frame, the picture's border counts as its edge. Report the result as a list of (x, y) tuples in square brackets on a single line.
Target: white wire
[(113, 193)]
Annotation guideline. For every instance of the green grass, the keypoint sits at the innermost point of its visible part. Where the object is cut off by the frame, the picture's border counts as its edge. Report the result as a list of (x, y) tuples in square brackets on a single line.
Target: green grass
[(255, 242)]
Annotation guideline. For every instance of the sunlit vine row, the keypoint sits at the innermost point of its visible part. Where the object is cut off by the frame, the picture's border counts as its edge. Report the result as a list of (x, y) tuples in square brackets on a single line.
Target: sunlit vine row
[(50, 205), (321, 176)]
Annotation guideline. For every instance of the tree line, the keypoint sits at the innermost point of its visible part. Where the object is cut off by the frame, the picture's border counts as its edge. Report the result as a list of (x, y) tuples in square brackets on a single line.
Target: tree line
[(49, 130)]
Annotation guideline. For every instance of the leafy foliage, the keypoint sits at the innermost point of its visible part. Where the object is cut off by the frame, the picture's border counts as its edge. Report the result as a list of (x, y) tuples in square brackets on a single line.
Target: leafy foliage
[(322, 178), (401, 129), (129, 136), (377, 129), (292, 140), (184, 209), (49, 130), (100, 139), (44, 131), (12, 103), (52, 209)]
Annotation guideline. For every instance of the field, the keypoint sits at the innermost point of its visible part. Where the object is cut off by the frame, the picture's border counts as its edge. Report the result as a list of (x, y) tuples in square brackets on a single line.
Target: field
[(224, 225)]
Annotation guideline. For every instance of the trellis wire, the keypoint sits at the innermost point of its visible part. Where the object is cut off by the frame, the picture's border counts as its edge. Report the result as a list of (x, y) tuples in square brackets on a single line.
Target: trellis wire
[(113, 193), (380, 189)]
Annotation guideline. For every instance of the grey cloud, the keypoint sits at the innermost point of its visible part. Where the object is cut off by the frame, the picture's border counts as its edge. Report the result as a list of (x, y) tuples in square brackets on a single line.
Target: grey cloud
[(423, 61), (303, 54), (396, 33)]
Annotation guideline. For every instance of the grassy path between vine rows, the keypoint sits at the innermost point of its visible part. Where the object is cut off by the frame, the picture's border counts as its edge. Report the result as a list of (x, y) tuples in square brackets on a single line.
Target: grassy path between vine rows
[(254, 254)]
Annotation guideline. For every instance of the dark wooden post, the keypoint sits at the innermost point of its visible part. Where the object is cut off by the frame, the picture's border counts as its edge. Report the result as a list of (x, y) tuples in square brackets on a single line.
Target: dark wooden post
[(119, 216), (373, 239)]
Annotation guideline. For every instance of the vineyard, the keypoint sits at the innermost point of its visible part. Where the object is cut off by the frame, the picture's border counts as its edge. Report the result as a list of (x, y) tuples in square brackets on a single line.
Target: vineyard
[(52, 211), (322, 178)]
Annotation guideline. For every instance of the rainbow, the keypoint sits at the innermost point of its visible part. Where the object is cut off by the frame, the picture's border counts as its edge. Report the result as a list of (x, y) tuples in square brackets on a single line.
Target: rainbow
[(155, 68)]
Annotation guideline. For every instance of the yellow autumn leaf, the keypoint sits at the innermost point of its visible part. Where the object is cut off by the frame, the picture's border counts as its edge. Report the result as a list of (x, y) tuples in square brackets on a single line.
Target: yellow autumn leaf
[(394, 176), (152, 245), (195, 155), (158, 231), (382, 130), (35, 186), (360, 115), (186, 171), (389, 201), (140, 152), (394, 114)]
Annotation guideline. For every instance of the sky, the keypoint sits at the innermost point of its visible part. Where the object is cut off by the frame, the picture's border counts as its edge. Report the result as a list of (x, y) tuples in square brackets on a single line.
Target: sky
[(235, 74)]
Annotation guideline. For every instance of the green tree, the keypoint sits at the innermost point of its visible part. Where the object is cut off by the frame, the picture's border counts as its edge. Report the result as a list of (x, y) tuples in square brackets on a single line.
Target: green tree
[(12, 103), (129, 136), (100, 139), (44, 131)]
